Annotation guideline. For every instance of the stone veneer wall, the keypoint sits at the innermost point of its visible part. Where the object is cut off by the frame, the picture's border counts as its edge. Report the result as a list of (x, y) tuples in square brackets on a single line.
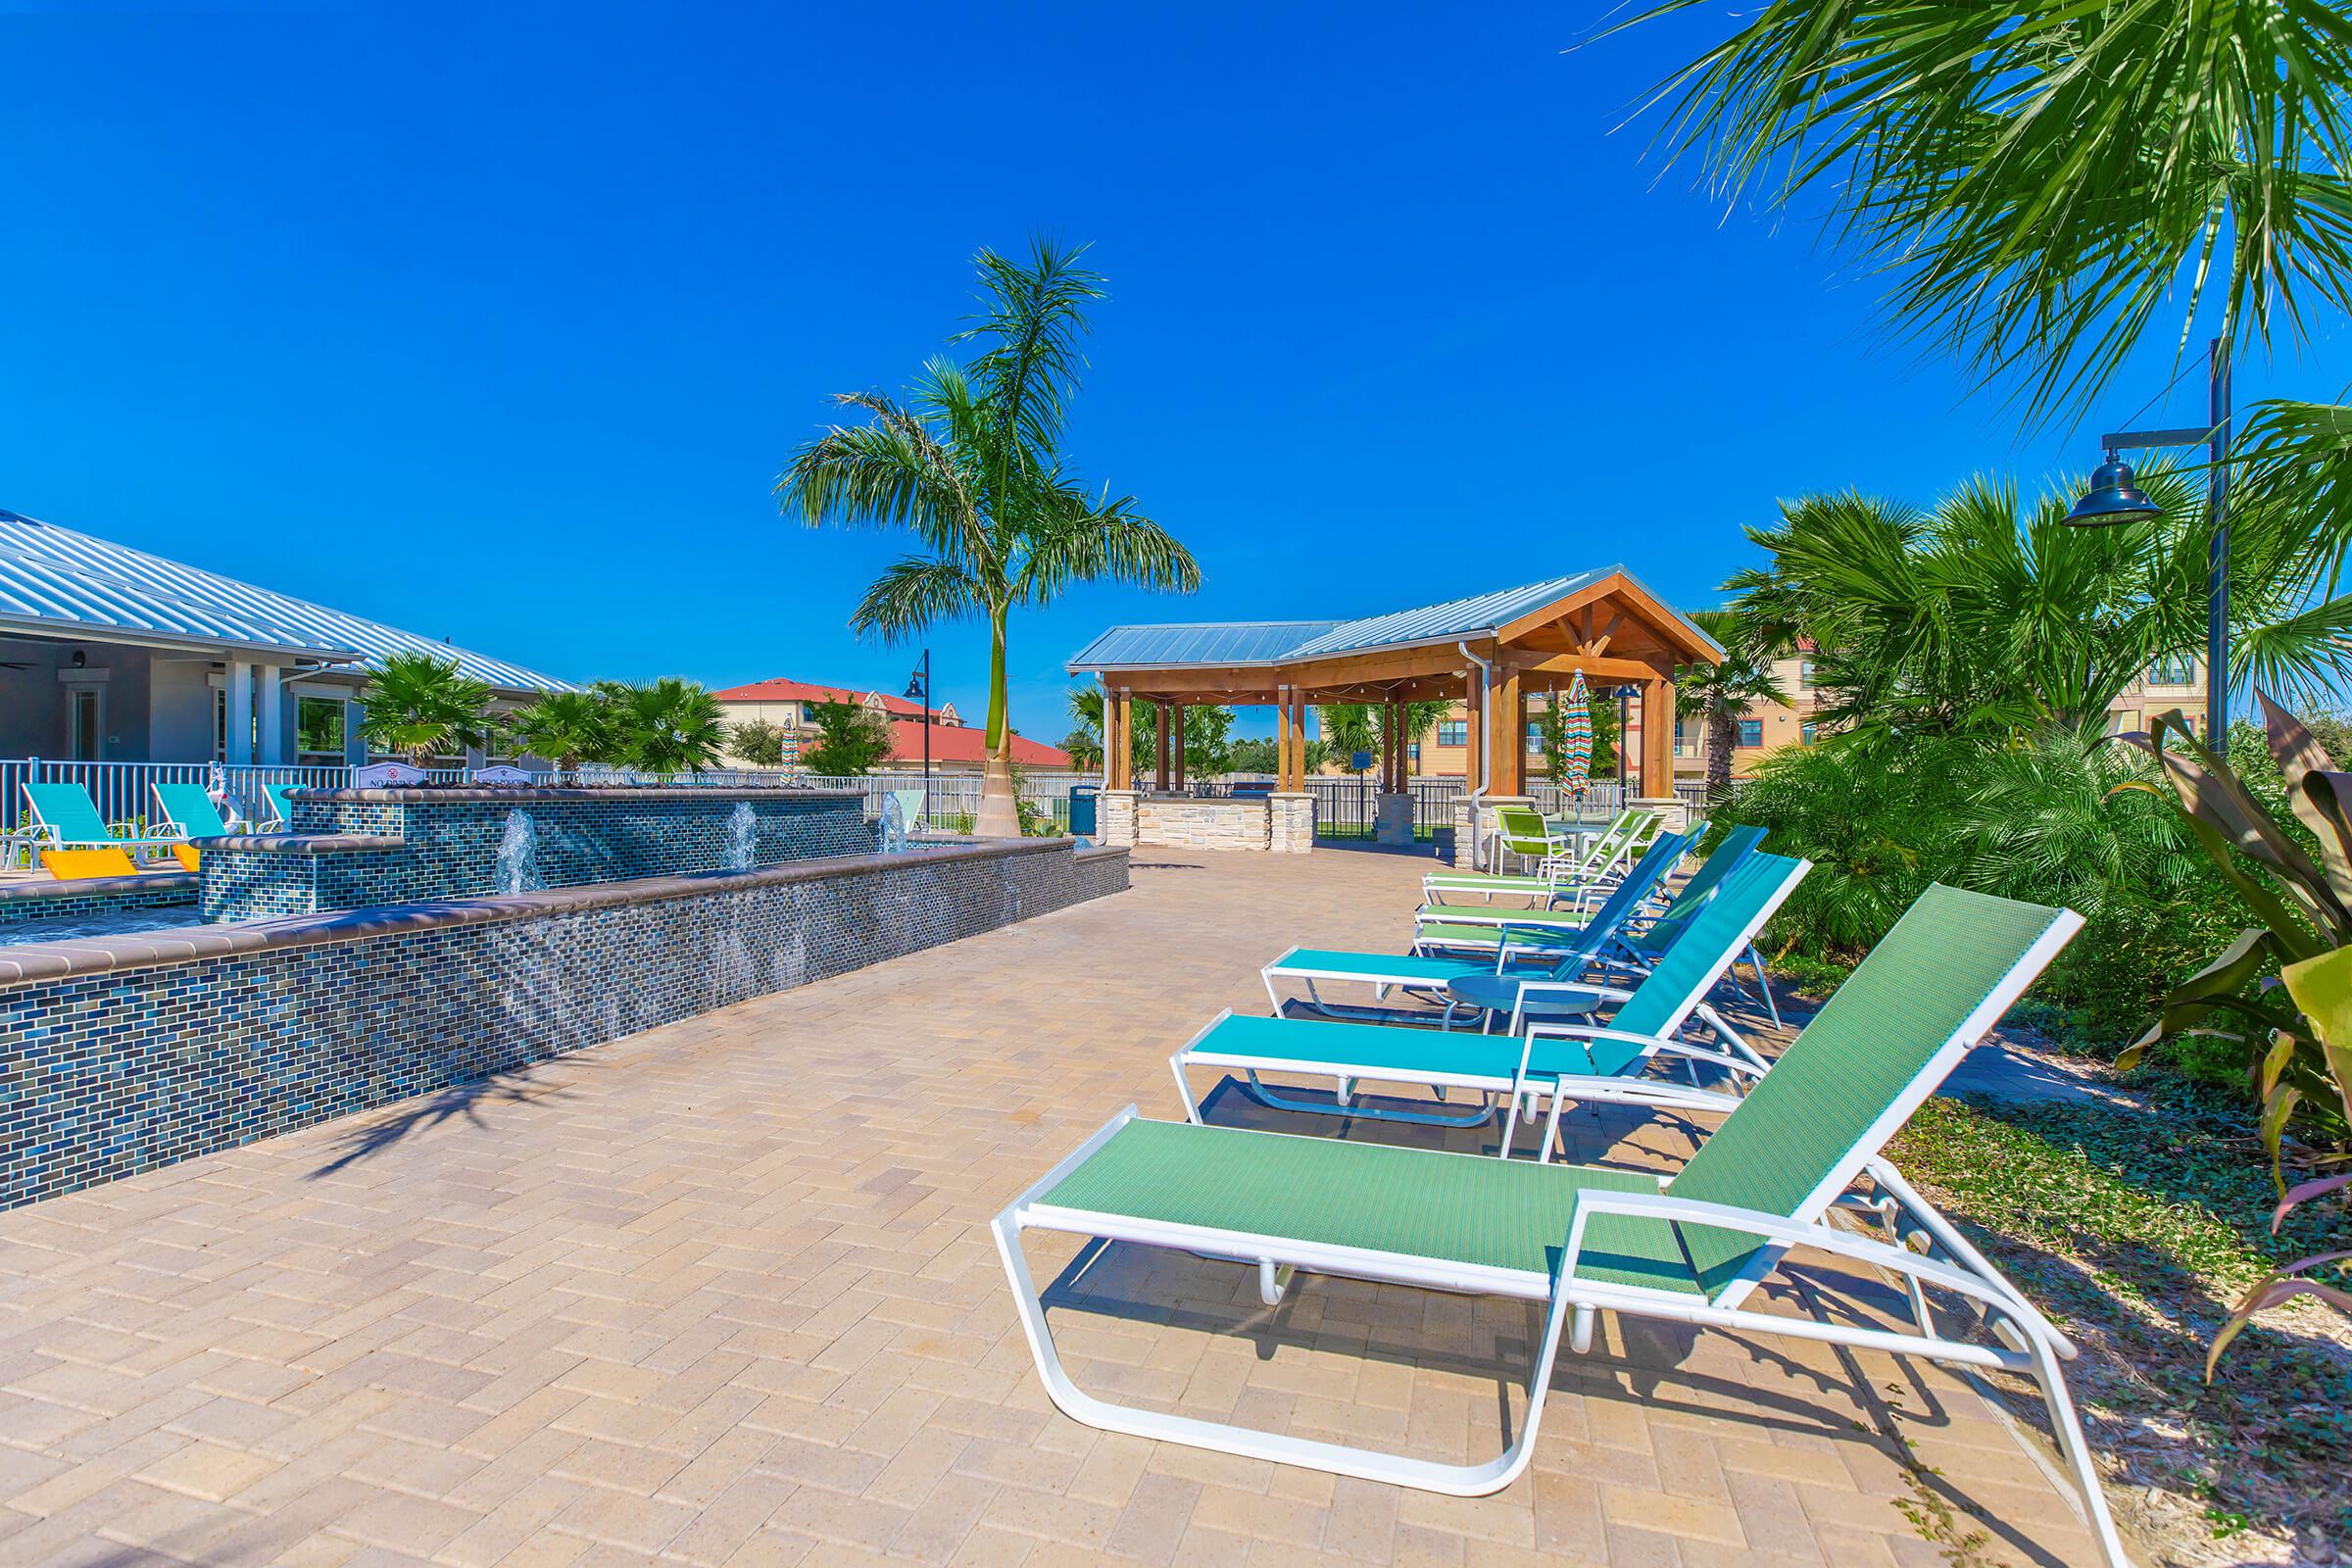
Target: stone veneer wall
[(122, 1054), (448, 842), (1187, 823), (33, 900)]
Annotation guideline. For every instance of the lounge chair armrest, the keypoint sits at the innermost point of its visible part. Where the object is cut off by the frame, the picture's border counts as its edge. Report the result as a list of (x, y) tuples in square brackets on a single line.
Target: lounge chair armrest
[(1711, 1056), (1782, 1231), (1591, 1031), (1539, 988)]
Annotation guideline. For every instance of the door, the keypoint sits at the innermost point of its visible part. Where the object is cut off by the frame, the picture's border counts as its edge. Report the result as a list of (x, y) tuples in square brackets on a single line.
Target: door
[(85, 709)]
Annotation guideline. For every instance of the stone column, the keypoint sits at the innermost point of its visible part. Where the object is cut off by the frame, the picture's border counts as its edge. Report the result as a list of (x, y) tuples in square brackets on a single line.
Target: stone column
[(1116, 823), (1394, 823), (1290, 822)]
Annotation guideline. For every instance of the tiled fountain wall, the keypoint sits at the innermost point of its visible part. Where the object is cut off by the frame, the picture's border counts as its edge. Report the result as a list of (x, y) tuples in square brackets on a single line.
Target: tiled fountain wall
[(357, 848), (122, 1054)]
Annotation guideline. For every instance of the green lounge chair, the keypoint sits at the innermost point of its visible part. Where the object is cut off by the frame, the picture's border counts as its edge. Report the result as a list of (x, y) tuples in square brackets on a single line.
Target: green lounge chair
[(1559, 1062), (67, 818), (1603, 855), (1688, 1249), (1565, 956), (1529, 931), (1522, 831)]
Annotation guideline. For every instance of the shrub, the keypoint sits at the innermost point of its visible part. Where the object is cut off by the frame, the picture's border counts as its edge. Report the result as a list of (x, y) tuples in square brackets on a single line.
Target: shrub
[(850, 739)]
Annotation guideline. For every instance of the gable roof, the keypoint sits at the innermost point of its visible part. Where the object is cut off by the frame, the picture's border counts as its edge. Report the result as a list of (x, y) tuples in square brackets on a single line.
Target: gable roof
[(952, 743), (783, 690), (55, 581), (1283, 642)]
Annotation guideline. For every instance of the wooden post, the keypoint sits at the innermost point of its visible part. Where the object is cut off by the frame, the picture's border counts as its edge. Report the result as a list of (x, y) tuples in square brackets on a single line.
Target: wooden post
[(1282, 738), (1657, 739), (1473, 734), (1299, 728), (1160, 778), (1178, 725), (1506, 737), (1122, 753)]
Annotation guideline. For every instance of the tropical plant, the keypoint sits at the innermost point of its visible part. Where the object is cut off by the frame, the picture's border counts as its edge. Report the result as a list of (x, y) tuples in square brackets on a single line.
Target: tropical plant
[(1980, 616), (422, 707), (2042, 178), (758, 742), (1723, 692), (671, 726), (850, 737), (1207, 733), (1085, 749), (970, 464), (1350, 730), (568, 728), (2284, 986)]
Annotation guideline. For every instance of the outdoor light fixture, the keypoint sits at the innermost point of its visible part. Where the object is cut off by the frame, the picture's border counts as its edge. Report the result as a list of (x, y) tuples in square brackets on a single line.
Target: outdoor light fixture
[(918, 684), (2115, 497)]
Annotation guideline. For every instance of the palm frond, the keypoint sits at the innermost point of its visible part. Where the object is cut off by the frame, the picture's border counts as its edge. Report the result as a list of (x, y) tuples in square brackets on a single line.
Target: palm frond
[(914, 593)]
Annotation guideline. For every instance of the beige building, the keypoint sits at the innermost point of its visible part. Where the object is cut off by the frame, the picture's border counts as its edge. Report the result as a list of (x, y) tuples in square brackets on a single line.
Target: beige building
[(1766, 727), (955, 747)]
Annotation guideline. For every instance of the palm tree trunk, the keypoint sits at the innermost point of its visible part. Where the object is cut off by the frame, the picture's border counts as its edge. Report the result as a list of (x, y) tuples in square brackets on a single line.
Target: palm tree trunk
[(999, 817), (1723, 734)]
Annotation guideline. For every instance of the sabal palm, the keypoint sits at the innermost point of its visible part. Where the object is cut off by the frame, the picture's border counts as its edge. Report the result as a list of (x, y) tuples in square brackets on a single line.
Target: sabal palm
[(1350, 727), (423, 708), (568, 728), (1982, 615), (671, 726), (969, 463), (1722, 692)]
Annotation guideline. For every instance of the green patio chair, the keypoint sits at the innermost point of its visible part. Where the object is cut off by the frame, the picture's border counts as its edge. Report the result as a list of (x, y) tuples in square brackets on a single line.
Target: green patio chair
[(1567, 954), (1688, 1249), (1555, 1061)]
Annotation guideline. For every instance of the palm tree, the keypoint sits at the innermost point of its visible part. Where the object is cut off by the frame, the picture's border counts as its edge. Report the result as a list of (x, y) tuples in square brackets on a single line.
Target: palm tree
[(1984, 616), (1350, 727), (969, 464), (568, 728), (1722, 692), (671, 726), (422, 707)]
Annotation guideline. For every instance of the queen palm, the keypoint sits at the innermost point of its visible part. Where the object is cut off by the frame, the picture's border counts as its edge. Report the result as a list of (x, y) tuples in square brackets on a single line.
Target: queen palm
[(1722, 692), (969, 463)]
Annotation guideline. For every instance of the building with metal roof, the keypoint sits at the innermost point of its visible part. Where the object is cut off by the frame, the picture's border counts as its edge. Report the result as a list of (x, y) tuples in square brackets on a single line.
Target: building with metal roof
[(110, 654), (1490, 651)]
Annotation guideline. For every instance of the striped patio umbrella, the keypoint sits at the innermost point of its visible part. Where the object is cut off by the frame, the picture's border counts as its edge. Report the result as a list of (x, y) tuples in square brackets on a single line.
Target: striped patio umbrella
[(1577, 751)]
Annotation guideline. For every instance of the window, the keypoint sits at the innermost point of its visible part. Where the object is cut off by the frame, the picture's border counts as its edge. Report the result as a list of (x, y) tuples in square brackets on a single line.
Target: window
[(1809, 730), (86, 707), (1412, 753), (1535, 734), (1806, 675), (1453, 733), (2174, 670), (1751, 732), (319, 730)]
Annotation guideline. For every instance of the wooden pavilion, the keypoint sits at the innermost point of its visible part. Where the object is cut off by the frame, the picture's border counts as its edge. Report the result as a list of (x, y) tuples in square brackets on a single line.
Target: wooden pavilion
[(1491, 652)]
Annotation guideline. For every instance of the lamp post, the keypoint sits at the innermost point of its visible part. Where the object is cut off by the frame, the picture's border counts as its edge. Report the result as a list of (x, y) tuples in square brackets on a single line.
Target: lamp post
[(2115, 497), (919, 685)]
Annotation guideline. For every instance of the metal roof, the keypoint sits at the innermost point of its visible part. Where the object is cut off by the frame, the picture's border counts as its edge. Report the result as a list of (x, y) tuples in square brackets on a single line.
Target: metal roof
[(1264, 642), (1222, 643), (54, 580)]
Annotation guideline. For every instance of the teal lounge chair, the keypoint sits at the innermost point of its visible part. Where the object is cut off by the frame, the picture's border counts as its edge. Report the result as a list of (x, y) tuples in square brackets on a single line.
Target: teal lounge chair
[(281, 808), (1735, 847), (1687, 1248), (67, 818), (1558, 1061), (1564, 956), (188, 811), (1603, 857)]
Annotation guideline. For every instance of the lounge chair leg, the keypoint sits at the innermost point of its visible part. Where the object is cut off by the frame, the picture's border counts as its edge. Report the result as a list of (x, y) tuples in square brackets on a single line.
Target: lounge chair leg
[(1764, 984), (1184, 1090), (1272, 1282), (2072, 1445), (1551, 1127), (1455, 1479)]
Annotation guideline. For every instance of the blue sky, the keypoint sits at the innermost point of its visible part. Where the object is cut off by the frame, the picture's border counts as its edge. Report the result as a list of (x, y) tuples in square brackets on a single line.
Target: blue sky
[(498, 323)]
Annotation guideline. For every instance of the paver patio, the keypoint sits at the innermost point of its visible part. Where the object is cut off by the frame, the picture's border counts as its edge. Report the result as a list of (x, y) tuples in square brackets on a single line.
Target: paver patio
[(723, 1293)]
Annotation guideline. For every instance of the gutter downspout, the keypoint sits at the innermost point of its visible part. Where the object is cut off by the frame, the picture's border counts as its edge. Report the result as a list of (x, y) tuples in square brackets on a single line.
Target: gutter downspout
[(1477, 768)]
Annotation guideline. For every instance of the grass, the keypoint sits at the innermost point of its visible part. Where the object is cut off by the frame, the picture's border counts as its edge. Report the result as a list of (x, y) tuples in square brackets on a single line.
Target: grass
[(2137, 1232)]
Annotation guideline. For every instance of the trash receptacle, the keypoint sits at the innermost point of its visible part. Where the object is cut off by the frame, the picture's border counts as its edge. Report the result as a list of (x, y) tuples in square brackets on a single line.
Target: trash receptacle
[(1081, 810)]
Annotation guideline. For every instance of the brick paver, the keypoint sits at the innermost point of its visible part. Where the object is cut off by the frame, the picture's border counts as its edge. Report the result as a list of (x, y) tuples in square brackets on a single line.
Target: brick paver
[(722, 1293)]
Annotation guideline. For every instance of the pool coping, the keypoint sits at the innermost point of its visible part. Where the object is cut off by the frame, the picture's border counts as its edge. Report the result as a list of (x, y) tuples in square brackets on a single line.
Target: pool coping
[(304, 843), (516, 793), (98, 886), (32, 963)]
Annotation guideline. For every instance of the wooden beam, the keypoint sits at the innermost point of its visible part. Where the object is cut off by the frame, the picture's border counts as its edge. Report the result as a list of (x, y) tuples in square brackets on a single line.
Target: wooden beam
[(1657, 739), (1282, 742), (1159, 777), (1506, 737), (1563, 665)]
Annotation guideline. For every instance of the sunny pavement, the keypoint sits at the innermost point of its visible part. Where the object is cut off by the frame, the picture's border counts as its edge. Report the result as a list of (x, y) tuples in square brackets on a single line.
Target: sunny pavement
[(723, 1293)]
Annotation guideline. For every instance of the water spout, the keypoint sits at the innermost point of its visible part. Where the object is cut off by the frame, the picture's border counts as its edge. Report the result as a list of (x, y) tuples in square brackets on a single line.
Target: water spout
[(518, 856), (742, 830), (893, 838)]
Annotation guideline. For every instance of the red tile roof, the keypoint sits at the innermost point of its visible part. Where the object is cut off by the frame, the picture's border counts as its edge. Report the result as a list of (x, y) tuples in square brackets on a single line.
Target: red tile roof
[(969, 744), (801, 691)]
